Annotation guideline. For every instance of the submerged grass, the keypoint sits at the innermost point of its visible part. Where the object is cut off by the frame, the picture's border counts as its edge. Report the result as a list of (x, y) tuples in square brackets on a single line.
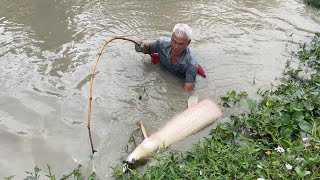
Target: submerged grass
[(278, 139)]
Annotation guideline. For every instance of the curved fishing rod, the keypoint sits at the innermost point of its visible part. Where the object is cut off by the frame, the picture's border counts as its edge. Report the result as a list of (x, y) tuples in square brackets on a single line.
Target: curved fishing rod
[(91, 82)]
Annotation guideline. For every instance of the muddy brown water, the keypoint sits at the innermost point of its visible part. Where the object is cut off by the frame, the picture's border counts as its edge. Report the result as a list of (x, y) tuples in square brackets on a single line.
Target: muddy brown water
[(47, 53)]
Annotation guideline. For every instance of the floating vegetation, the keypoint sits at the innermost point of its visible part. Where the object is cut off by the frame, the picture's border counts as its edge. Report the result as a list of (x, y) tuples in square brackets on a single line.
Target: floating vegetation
[(232, 98), (35, 175)]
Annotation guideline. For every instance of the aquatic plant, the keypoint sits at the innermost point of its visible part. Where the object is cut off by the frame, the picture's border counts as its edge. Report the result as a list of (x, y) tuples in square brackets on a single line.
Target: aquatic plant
[(314, 3), (76, 174), (232, 98)]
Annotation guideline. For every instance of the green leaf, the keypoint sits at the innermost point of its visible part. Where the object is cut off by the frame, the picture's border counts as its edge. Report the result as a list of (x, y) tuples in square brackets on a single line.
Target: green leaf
[(286, 132), (298, 116), (317, 121), (240, 95), (226, 105), (293, 105), (93, 176), (232, 94), (286, 119), (308, 105), (172, 171), (9, 177), (278, 108), (225, 98), (301, 172), (305, 126), (286, 143), (271, 130), (51, 177), (251, 104), (268, 103)]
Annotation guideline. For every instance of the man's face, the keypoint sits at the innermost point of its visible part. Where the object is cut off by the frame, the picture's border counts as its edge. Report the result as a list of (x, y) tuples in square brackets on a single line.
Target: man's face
[(178, 44)]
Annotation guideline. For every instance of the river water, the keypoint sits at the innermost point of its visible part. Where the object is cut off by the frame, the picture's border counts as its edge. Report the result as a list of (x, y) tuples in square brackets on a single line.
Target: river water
[(48, 49)]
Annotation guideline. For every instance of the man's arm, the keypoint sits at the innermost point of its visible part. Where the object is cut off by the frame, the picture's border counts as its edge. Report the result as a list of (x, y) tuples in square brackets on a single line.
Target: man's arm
[(190, 78), (191, 73)]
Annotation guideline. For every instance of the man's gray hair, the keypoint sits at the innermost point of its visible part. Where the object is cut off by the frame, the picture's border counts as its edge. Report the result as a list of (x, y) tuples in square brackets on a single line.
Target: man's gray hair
[(183, 30)]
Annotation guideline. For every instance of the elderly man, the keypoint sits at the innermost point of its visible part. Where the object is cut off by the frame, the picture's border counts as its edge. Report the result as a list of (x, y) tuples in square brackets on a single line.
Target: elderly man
[(175, 56)]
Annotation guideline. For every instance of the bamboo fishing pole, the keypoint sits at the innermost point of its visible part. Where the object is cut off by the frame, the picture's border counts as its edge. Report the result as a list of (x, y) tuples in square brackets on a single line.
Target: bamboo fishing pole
[(91, 82)]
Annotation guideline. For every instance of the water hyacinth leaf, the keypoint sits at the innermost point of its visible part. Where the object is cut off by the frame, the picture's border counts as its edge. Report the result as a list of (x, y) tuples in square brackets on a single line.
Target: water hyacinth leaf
[(294, 105), (305, 55), (277, 123), (224, 98), (286, 119), (313, 160), (226, 105), (232, 94), (301, 172), (298, 116), (172, 171), (189, 158), (286, 143), (9, 177), (271, 130), (305, 126), (317, 121), (286, 132), (308, 105), (229, 97), (241, 94), (276, 163), (268, 103), (278, 108), (251, 104)]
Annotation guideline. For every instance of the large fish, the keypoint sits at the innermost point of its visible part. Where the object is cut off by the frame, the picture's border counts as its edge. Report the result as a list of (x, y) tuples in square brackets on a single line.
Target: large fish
[(182, 125)]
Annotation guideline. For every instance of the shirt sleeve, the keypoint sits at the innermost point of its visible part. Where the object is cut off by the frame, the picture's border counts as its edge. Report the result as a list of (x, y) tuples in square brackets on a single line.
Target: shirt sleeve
[(154, 47), (159, 45)]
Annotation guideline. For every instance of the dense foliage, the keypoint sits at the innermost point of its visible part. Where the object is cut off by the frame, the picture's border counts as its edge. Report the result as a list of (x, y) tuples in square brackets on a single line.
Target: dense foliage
[(315, 3), (277, 139)]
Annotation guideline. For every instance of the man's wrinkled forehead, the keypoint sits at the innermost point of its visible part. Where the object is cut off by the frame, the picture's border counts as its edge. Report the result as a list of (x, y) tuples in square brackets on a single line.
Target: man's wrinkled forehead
[(179, 37)]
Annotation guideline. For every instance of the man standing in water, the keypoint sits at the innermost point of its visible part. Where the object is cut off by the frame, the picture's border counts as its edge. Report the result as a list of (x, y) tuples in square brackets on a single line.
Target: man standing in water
[(175, 56)]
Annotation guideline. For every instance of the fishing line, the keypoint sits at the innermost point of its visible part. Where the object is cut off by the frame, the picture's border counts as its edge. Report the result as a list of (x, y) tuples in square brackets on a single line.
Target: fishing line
[(91, 82)]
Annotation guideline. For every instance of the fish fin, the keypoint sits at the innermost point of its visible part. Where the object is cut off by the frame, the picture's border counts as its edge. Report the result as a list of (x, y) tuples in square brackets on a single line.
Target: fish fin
[(143, 129), (193, 100)]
